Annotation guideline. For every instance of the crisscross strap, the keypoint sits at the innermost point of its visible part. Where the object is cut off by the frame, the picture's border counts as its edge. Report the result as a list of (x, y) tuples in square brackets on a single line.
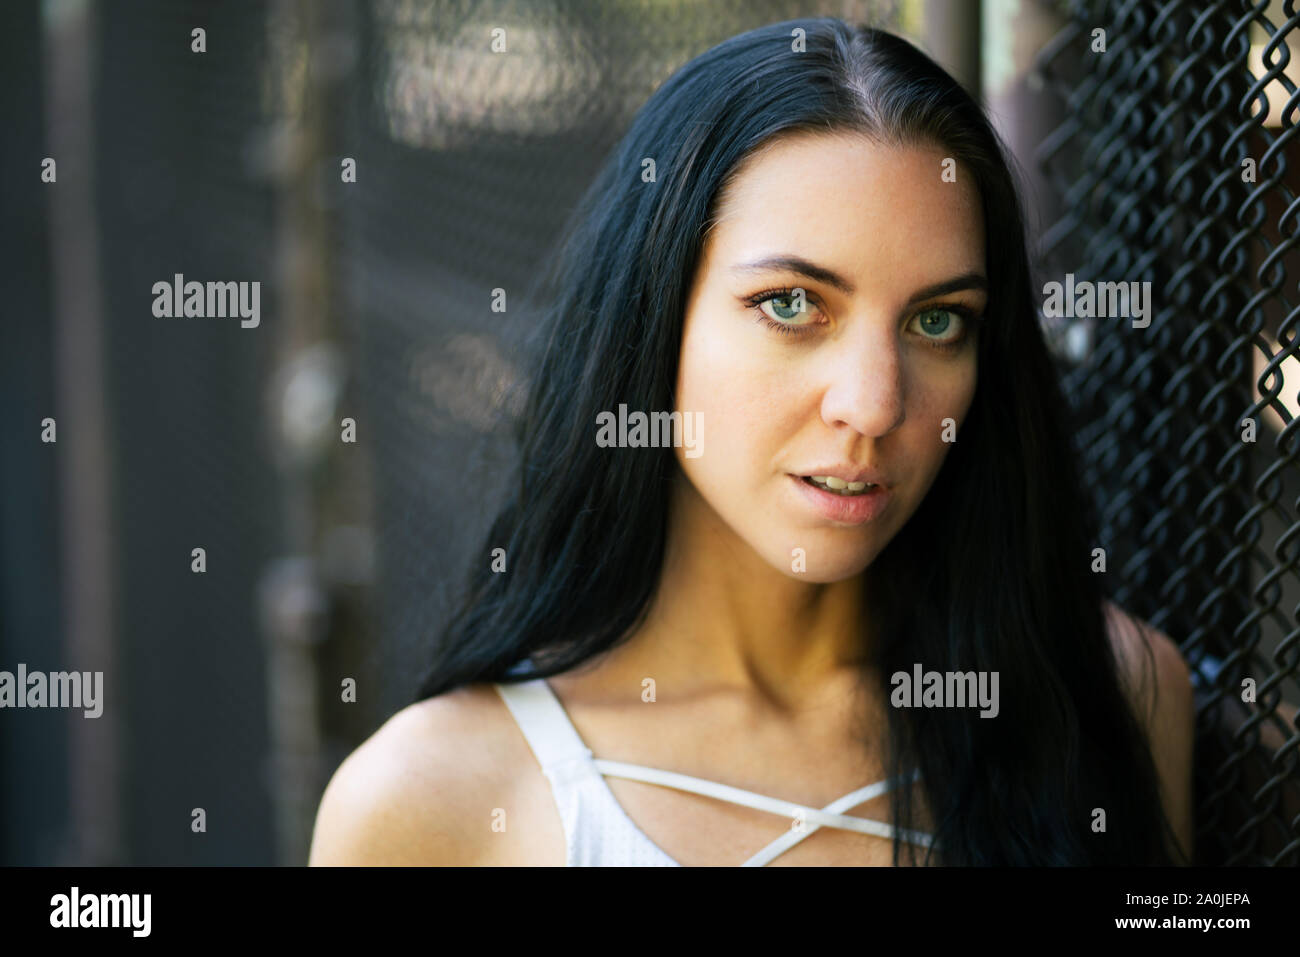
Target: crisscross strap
[(790, 838), (812, 818)]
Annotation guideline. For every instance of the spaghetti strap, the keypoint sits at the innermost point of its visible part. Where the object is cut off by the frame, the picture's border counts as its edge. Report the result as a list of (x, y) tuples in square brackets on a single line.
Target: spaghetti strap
[(548, 730)]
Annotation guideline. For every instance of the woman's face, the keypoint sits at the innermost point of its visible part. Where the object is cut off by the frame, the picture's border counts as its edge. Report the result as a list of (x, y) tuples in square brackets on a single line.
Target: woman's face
[(859, 383)]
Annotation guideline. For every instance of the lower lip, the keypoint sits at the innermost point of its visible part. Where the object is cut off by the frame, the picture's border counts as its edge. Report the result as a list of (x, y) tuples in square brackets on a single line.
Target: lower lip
[(844, 509)]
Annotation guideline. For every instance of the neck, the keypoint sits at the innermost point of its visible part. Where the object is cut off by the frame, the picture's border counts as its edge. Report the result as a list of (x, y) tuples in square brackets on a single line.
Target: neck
[(724, 620)]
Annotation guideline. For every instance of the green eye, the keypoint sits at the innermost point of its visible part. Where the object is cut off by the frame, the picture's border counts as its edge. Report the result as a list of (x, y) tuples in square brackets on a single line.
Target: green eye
[(785, 307), (938, 327)]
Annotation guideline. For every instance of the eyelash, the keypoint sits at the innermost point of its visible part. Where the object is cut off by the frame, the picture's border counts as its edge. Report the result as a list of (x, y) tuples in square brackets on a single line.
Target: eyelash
[(970, 318)]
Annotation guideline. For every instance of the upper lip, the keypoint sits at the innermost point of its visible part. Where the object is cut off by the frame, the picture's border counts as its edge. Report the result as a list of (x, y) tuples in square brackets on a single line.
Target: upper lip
[(850, 473)]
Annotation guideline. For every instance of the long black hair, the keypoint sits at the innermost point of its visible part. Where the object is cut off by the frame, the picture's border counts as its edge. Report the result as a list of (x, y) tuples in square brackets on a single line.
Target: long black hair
[(992, 573)]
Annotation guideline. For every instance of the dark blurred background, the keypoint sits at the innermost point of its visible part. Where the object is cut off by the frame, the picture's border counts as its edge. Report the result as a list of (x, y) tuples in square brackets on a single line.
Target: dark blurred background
[(329, 560)]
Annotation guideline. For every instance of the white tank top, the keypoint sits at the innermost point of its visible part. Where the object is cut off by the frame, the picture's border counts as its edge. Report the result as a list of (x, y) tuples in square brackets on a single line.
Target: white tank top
[(599, 833)]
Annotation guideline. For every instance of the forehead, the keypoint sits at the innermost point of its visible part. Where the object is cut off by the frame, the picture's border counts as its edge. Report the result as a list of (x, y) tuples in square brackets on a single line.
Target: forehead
[(867, 210)]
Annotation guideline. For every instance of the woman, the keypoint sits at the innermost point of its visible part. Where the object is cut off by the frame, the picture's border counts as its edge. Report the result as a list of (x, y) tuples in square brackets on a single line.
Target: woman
[(810, 247)]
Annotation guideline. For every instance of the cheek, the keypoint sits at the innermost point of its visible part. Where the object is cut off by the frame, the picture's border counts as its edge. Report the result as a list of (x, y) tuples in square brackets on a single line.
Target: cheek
[(947, 396), (728, 376), (946, 391)]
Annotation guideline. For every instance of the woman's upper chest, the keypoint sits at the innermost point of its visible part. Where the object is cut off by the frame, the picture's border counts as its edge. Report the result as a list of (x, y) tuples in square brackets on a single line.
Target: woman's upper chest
[(806, 762)]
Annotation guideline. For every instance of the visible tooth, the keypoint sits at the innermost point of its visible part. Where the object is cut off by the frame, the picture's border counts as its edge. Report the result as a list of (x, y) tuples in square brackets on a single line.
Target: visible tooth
[(857, 486), (836, 483), (819, 478)]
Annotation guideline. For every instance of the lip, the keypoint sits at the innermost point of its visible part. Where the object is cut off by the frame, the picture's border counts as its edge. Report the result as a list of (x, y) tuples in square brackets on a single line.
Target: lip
[(851, 473), (842, 509)]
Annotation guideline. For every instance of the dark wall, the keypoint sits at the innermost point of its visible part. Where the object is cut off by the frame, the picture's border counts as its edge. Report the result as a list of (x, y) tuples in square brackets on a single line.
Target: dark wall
[(33, 745)]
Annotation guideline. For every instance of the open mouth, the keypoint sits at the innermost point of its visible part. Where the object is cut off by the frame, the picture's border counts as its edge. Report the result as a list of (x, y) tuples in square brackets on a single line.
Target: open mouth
[(829, 483)]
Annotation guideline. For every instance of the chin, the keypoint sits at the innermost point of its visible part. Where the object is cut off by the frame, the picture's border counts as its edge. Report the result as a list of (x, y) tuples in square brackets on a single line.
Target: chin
[(821, 569)]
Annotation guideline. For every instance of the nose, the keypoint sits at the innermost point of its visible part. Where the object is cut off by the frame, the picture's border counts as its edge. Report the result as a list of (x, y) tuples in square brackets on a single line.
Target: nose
[(865, 388)]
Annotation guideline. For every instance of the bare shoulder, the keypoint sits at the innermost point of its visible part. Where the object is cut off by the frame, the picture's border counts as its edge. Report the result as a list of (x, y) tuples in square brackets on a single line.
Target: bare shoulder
[(1139, 646), (421, 789), (1159, 685)]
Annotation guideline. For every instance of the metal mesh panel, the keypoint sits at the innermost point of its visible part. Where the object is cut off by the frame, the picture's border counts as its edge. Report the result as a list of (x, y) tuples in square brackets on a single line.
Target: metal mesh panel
[(183, 411), (1199, 517)]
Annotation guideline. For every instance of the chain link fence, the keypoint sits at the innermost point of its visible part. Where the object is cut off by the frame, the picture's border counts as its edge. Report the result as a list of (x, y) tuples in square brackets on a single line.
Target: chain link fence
[(1175, 164)]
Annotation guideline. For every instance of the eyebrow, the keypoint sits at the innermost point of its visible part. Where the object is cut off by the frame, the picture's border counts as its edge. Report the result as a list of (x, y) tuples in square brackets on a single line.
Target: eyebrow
[(797, 264)]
